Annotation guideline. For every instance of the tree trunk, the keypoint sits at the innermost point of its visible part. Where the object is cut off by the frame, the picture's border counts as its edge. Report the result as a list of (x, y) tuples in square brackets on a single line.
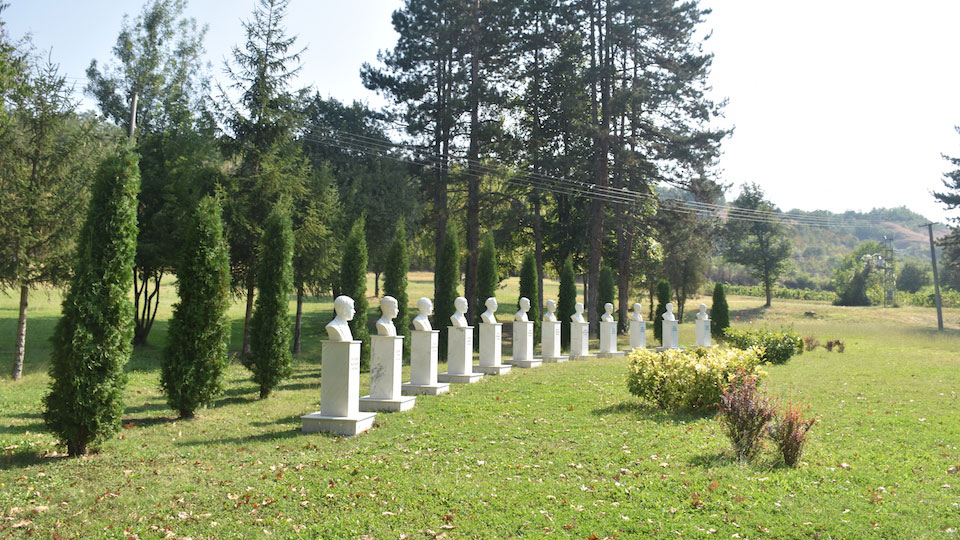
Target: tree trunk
[(768, 286), (20, 349), (298, 325), (538, 243), (625, 246), (376, 284), (473, 174), (245, 349)]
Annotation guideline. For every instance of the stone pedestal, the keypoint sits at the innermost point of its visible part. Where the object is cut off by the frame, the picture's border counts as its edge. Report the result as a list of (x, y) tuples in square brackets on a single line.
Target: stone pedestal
[(638, 334), (339, 392), (523, 345), (608, 339), (550, 340), (424, 350), (386, 357), (580, 341), (671, 335), (459, 356), (491, 350), (703, 334)]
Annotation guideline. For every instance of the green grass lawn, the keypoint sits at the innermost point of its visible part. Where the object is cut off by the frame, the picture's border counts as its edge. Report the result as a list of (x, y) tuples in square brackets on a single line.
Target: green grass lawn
[(559, 451)]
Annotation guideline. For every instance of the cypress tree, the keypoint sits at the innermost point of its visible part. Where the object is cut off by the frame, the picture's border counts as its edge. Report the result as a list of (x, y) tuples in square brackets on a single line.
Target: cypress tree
[(488, 277), (528, 289), (447, 277), (93, 339), (270, 357), (605, 292), (353, 283), (663, 298), (395, 281), (195, 358), (566, 300), (719, 312)]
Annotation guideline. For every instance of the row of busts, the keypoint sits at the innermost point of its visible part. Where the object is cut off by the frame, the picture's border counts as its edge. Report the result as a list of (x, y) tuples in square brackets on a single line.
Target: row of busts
[(339, 328)]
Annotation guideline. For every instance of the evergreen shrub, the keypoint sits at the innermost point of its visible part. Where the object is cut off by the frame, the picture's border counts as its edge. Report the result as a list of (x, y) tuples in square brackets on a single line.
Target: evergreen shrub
[(353, 283), (566, 301), (606, 292), (447, 278), (719, 312), (663, 298), (488, 278), (395, 283), (778, 345), (529, 289)]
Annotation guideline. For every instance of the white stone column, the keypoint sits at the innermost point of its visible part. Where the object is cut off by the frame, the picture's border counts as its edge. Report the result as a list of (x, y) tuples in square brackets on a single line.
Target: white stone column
[(638, 334), (424, 351), (491, 350), (339, 392), (459, 356), (703, 334), (608, 339), (523, 345), (580, 341), (550, 340), (386, 369), (671, 335)]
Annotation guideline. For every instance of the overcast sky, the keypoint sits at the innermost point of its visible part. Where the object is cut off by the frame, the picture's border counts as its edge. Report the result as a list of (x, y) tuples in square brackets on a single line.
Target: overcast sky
[(836, 104)]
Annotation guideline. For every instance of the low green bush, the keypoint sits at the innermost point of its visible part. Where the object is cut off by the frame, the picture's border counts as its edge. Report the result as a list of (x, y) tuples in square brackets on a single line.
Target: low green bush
[(691, 379), (778, 345)]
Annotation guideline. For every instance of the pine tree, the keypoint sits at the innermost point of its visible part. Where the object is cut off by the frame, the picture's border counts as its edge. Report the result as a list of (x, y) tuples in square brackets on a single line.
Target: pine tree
[(195, 358), (606, 294), (528, 290), (395, 281), (488, 278), (270, 358), (353, 283), (93, 339), (719, 312), (566, 300), (447, 278), (663, 298)]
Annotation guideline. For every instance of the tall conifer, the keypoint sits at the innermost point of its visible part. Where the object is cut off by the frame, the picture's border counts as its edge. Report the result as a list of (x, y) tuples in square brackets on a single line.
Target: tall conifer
[(528, 289), (488, 277), (719, 312), (663, 298), (566, 300), (395, 281), (447, 277), (353, 283)]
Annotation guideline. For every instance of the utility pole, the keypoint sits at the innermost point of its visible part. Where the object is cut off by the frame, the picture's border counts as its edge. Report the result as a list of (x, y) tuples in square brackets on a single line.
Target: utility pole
[(133, 115), (936, 279)]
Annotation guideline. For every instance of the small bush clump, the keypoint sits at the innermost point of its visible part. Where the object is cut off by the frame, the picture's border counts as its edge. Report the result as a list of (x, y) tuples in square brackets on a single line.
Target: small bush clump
[(745, 412), (790, 433), (778, 345), (810, 343), (834, 343), (688, 379)]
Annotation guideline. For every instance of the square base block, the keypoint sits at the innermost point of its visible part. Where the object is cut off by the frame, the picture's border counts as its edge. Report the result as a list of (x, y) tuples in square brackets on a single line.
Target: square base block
[(491, 339), (608, 339), (671, 335), (402, 403), (638, 334), (459, 351), (532, 363), (424, 349), (411, 389), (554, 359), (550, 341), (703, 333), (492, 370), (522, 342), (345, 426), (614, 354), (580, 340), (460, 378)]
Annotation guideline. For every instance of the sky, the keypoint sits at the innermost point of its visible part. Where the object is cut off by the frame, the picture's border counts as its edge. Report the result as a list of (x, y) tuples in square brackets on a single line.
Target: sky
[(835, 104)]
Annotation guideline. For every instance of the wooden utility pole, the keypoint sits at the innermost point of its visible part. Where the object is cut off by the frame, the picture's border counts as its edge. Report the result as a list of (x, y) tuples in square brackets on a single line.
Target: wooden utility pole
[(936, 279)]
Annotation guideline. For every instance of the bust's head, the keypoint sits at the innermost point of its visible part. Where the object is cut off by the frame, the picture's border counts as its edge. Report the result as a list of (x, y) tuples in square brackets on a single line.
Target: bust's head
[(491, 304), (389, 307), (343, 307), (524, 304), (551, 306), (703, 308), (636, 307), (608, 308), (578, 307), (669, 307), (460, 304), (425, 306)]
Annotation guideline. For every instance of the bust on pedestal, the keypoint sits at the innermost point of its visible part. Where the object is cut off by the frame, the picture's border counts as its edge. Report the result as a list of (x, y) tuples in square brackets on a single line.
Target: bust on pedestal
[(523, 338), (670, 339), (459, 347), (386, 361), (703, 327), (340, 380), (424, 349), (491, 339), (608, 333), (579, 334), (550, 335), (638, 329)]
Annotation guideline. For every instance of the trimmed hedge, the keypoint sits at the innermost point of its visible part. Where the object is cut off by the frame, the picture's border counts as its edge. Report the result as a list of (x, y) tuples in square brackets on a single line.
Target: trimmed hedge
[(778, 345)]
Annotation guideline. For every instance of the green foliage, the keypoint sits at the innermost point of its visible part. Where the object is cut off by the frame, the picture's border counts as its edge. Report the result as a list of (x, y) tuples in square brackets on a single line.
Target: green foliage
[(912, 278), (856, 281), (529, 290), (353, 283), (777, 345), (719, 312), (488, 278), (790, 433), (270, 356), (691, 379), (446, 278), (606, 292), (195, 358), (566, 300), (663, 298), (395, 281), (92, 341), (781, 292)]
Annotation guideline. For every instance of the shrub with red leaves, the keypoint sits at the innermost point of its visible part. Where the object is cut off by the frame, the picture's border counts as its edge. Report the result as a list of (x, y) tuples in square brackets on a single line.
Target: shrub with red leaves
[(790, 433), (745, 412)]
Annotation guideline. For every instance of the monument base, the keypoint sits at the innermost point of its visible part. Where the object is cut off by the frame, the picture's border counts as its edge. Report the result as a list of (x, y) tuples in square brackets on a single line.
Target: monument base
[(532, 363), (403, 403), (612, 354), (410, 389), (459, 378), (345, 426), (492, 370), (587, 356), (661, 349), (554, 359)]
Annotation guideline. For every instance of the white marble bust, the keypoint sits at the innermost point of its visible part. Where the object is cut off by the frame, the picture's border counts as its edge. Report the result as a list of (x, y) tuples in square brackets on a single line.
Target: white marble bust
[(459, 318), (550, 314), (490, 315), (668, 314), (388, 312), (521, 315), (577, 313), (607, 313), (422, 321), (637, 316), (339, 328), (702, 314)]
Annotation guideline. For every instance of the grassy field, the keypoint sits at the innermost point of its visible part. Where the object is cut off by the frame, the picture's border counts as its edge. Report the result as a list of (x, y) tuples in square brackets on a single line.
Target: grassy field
[(560, 451)]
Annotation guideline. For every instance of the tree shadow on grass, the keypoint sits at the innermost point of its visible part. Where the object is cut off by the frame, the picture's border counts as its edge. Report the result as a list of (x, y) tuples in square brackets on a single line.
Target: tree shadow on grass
[(283, 434), (28, 458), (646, 411), (14, 429), (147, 407), (747, 314)]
